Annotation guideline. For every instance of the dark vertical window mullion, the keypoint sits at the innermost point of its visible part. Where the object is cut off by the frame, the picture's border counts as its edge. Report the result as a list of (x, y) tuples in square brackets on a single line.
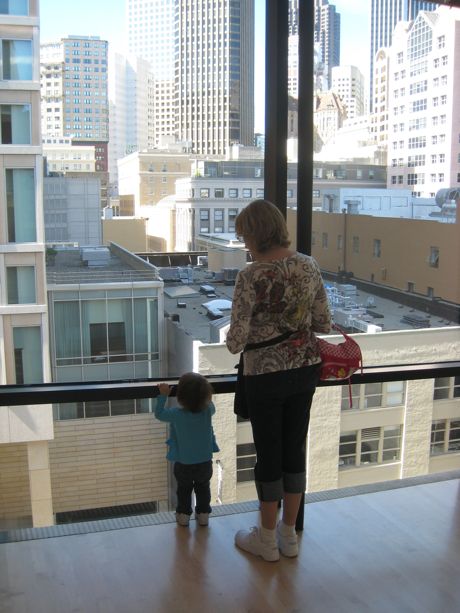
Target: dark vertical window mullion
[(305, 127), (276, 102)]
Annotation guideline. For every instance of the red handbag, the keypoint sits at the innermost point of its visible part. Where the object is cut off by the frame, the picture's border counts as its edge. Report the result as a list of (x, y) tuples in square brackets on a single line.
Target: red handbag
[(340, 361)]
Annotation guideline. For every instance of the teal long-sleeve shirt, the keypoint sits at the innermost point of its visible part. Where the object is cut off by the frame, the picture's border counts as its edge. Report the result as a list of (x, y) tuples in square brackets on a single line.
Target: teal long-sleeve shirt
[(191, 436)]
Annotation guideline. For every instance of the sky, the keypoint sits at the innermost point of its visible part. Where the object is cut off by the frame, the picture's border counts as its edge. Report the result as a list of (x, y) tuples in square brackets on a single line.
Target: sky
[(106, 18)]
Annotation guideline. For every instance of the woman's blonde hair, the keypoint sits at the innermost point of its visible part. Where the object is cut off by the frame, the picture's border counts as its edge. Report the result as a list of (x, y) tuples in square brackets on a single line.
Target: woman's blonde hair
[(194, 392), (264, 224)]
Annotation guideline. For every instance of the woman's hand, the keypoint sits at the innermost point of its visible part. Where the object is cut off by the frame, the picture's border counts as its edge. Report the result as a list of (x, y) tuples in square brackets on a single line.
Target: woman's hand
[(164, 389)]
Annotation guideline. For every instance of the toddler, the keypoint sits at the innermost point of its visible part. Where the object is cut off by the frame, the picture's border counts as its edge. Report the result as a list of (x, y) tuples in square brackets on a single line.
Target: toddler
[(191, 444)]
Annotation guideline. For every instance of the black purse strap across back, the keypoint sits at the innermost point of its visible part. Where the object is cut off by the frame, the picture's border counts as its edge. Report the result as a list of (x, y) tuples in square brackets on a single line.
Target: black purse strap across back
[(270, 342)]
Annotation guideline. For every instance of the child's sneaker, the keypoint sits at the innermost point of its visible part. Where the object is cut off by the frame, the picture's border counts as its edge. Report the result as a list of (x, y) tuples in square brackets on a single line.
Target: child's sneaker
[(250, 541), (183, 519), (202, 518), (287, 543)]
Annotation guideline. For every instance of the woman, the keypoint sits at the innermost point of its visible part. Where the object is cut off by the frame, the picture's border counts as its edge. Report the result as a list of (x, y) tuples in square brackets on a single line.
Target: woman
[(281, 292)]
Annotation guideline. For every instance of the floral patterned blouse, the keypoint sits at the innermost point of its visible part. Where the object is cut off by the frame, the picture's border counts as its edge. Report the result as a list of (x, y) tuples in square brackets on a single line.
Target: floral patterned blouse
[(272, 298)]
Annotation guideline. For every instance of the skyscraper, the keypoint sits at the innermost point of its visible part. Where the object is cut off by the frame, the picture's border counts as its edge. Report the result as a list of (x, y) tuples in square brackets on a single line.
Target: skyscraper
[(74, 88), (202, 58), (327, 35), (384, 16)]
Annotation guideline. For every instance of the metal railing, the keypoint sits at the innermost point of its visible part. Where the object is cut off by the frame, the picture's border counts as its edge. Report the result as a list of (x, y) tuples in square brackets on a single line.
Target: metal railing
[(46, 393)]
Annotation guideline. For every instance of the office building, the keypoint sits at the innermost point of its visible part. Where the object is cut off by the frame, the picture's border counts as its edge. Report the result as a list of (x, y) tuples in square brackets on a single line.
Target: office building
[(385, 14), (72, 208), (327, 36), (204, 81), (423, 90), (25, 486), (348, 83), (131, 109), (74, 89)]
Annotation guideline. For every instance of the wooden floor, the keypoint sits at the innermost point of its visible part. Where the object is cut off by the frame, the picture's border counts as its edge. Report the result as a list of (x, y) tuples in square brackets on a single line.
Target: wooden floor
[(391, 551)]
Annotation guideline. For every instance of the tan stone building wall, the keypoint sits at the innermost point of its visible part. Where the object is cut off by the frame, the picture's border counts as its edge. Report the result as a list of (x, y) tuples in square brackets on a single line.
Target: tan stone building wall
[(130, 233), (347, 242), (108, 461)]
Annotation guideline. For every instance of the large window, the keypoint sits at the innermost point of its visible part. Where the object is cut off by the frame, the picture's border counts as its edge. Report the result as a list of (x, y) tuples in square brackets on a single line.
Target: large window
[(20, 205), (14, 7), (15, 124), (17, 60), (446, 388), (100, 408), (27, 345), (445, 436), (370, 446), (374, 395), (21, 284), (106, 330)]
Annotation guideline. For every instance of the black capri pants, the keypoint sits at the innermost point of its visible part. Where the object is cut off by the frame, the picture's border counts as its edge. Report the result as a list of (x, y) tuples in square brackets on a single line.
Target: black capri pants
[(279, 410)]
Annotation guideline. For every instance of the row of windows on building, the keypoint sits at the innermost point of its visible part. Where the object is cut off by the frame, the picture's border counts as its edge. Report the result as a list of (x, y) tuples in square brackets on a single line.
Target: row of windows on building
[(381, 444), (432, 259)]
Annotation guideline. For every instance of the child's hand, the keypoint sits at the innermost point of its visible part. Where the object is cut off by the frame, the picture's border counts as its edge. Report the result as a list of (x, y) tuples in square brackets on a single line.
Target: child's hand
[(164, 389)]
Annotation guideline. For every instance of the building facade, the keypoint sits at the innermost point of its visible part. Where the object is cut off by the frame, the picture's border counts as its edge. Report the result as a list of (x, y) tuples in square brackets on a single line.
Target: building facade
[(423, 89), (385, 14), (25, 486), (202, 58), (348, 83), (131, 109), (72, 209), (74, 88), (327, 36)]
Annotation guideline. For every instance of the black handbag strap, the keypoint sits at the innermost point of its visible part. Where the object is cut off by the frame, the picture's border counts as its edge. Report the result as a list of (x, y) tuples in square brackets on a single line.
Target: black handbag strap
[(269, 343)]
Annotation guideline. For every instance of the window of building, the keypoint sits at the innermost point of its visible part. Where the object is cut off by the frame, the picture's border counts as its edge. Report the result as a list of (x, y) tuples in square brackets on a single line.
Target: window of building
[(204, 220), (218, 192), (233, 192), (324, 240), (446, 388), (415, 179), (339, 242), (14, 7), (204, 192), (107, 339), (17, 60), (434, 257), (245, 462), (355, 244), (20, 281), (370, 446), (106, 330), (316, 193), (27, 346), (232, 214), (260, 192), (15, 124), (247, 192), (20, 205), (377, 247), (218, 220), (445, 436), (373, 395)]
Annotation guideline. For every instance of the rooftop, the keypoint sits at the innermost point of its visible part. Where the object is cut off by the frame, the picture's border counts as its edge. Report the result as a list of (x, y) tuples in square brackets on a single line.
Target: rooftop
[(112, 264), (185, 303)]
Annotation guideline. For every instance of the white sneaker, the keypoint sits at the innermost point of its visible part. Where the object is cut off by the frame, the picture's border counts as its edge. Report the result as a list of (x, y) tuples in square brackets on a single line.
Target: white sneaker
[(250, 541), (202, 518), (183, 519), (288, 545)]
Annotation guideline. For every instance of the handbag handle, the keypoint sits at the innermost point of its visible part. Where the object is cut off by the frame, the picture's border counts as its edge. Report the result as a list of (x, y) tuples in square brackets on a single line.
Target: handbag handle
[(344, 334)]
